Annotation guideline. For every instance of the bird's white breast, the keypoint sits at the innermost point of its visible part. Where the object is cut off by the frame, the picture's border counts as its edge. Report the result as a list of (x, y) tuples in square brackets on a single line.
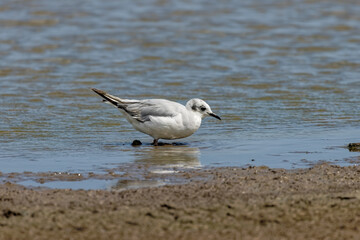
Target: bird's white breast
[(184, 124)]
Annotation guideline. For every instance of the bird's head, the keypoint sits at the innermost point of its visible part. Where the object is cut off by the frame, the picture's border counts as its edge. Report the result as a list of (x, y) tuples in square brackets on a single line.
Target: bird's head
[(201, 107)]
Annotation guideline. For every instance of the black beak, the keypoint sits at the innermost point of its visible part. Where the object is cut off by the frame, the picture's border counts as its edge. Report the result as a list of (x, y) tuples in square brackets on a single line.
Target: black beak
[(214, 115)]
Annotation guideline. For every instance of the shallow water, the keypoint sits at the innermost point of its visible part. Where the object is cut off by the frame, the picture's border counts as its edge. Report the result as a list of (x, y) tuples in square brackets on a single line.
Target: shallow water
[(283, 75)]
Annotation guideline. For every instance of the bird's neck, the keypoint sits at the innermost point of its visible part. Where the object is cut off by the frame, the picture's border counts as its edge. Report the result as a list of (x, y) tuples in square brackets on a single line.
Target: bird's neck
[(195, 120)]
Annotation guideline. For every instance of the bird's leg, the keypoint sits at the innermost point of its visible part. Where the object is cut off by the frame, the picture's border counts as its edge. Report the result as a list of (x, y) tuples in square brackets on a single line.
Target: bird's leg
[(155, 142)]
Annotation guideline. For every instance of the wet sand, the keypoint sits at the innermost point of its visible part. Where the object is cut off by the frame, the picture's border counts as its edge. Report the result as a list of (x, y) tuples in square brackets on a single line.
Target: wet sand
[(322, 202)]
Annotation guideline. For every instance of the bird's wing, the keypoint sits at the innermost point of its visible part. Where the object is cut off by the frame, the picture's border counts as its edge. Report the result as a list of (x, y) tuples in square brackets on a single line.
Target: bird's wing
[(117, 102), (142, 110), (145, 109)]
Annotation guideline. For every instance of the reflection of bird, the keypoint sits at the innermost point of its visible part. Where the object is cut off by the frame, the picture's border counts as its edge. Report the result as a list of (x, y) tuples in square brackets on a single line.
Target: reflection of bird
[(156, 167), (160, 118), (170, 156)]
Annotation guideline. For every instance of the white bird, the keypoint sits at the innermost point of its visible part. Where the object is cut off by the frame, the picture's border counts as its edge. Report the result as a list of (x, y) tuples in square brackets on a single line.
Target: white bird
[(161, 118)]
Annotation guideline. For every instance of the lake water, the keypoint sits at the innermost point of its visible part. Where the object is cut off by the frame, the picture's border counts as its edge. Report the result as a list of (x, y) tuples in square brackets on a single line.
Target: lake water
[(283, 75)]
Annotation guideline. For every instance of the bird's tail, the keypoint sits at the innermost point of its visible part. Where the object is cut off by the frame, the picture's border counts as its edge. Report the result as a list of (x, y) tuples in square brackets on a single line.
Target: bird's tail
[(118, 102)]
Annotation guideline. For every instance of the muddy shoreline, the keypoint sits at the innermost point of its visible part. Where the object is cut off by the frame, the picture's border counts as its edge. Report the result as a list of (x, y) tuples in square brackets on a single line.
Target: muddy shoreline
[(322, 202)]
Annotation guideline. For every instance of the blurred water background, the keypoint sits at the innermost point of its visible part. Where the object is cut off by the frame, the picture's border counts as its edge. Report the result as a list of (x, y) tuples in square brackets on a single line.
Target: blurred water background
[(283, 75)]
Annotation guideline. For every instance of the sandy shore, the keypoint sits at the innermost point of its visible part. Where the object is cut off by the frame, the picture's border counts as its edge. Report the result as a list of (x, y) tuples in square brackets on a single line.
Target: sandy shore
[(322, 202)]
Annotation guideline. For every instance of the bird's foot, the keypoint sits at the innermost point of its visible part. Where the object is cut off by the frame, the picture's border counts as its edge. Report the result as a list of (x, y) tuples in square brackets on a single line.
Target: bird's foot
[(155, 142)]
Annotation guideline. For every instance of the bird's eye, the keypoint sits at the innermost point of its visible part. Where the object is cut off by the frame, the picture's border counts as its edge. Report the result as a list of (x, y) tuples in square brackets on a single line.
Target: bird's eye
[(203, 108)]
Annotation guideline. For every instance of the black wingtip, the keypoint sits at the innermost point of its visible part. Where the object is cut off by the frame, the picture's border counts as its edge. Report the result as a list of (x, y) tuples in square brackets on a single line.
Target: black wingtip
[(100, 92), (103, 95)]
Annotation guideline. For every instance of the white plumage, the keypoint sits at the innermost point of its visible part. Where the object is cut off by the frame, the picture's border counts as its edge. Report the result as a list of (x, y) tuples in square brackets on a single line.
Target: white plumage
[(161, 118)]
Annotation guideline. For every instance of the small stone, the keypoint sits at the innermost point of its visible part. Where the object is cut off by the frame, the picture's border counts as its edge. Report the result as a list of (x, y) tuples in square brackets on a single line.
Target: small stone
[(354, 147), (136, 143)]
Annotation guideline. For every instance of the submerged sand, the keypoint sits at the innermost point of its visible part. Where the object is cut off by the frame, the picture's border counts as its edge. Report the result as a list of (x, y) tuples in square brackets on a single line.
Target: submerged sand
[(322, 202)]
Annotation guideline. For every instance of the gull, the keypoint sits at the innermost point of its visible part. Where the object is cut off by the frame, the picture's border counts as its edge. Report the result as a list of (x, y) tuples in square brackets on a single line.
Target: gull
[(161, 118)]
